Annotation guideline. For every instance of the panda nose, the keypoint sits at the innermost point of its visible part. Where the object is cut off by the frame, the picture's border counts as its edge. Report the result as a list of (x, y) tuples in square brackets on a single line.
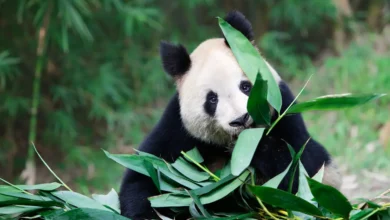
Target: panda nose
[(240, 122)]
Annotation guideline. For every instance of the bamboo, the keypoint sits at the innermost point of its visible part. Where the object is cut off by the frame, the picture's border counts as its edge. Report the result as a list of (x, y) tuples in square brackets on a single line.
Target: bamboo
[(29, 173)]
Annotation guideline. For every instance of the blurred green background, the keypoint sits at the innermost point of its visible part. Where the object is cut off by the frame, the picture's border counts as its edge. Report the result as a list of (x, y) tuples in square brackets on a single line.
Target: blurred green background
[(78, 76)]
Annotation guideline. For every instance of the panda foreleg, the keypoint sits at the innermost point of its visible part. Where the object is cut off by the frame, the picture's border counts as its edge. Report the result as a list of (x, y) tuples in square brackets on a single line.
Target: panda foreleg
[(133, 196), (273, 156)]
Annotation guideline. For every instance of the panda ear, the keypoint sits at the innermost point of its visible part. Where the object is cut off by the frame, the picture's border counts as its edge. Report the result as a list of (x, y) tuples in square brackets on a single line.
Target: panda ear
[(237, 20), (175, 59)]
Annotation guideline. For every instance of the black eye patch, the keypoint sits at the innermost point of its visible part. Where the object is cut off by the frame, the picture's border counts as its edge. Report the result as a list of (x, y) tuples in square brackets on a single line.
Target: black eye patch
[(245, 87), (210, 105)]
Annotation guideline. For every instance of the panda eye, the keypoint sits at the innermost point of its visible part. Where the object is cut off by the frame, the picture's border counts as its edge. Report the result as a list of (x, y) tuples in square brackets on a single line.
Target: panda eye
[(245, 87), (213, 100)]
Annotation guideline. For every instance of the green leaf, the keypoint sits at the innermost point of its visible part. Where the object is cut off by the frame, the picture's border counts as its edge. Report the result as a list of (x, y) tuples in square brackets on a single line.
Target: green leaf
[(131, 161), (275, 181), (50, 214), (233, 217), (153, 174), (45, 187), (136, 163), (11, 210), (78, 200), (194, 211), (303, 186), (21, 195), (360, 214), (330, 198), (284, 200), (295, 164), (291, 149), (30, 201), (189, 171), (226, 170), (179, 200), (319, 175), (195, 155), (177, 177), (111, 200), (304, 190), (245, 149), (257, 105), (199, 204), (251, 62), (167, 169), (333, 102), (167, 185), (88, 214), (210, 187)]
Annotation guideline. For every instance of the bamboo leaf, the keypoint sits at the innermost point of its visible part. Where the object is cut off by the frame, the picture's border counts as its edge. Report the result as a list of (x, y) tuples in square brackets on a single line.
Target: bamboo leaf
[(11, 210), (320, 174), (275, 181), (133, 162), (251, 62), (284, 200), (212, 186), (78, 200), (45, 187), (304, 191), (199, 204), (330, 198), (88, 214), (195, 155), (257, 105), (333, 102), (111, 200), (360, 214), (189, 171), (153, 174), (245, 149), (179, 200)]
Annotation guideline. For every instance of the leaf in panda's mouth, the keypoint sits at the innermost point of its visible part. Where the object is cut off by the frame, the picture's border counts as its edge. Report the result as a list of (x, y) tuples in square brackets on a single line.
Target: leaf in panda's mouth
[(245, 149)]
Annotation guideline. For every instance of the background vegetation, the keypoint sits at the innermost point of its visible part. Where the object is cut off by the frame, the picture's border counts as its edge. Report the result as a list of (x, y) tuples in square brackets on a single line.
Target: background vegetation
[(79, 76)]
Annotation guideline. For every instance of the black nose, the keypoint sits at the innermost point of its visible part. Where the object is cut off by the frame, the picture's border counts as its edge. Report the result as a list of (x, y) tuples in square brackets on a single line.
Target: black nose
[(240, 121)]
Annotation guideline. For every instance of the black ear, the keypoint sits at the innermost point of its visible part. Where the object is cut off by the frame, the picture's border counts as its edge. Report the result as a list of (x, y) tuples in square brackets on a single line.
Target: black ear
[(237, 20), (175, 58)]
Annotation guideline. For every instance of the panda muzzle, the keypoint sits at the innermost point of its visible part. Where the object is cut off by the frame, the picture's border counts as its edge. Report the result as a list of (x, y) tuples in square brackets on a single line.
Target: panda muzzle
[(241, 121)]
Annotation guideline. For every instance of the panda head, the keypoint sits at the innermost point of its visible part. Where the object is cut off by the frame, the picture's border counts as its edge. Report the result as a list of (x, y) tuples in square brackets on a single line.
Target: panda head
[(213, 90)]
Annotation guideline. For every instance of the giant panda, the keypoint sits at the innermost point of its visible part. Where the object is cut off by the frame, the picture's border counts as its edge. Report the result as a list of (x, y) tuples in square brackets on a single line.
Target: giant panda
[(209, 111)]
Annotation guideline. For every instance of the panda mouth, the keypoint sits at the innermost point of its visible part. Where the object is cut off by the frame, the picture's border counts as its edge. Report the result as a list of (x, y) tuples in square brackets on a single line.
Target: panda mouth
[(237, 133)]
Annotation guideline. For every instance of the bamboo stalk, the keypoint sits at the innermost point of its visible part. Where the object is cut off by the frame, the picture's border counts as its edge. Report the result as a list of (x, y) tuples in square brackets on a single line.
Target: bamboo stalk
[(29, 173)]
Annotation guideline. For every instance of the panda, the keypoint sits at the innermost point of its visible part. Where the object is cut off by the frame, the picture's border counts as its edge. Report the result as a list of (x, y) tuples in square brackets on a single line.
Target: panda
[(209, 111)]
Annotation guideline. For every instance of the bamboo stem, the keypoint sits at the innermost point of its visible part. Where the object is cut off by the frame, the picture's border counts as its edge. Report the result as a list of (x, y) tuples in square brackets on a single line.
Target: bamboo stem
[(41, 49)]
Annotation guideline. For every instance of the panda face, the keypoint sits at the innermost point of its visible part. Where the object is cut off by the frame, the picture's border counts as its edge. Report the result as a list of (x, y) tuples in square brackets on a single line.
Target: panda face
[(214, 94), (213, 90)]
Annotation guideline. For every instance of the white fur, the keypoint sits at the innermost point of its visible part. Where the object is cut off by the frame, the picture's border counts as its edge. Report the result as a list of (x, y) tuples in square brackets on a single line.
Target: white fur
[(215, 68), (332, 175)]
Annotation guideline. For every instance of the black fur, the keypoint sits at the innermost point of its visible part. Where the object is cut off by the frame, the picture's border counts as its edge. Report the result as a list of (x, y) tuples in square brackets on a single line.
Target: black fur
[(167, 140), (175, 58), (208, 106), (237, 20)]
